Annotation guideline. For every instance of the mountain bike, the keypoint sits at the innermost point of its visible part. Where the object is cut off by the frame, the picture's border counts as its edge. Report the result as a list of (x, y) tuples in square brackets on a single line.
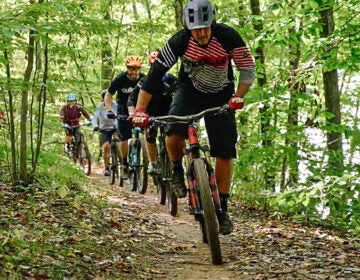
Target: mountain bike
[(203, 192), (79, 150), (115, 156), (162, 179), (138, 161)]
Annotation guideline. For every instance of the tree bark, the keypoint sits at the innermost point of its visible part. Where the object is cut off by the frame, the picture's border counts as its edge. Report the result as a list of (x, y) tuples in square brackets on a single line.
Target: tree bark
[(332, 100), (264, 111)]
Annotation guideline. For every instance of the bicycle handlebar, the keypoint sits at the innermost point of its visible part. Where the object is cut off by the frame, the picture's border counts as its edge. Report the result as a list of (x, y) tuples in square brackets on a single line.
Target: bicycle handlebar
[(189, 118), (75, 126)]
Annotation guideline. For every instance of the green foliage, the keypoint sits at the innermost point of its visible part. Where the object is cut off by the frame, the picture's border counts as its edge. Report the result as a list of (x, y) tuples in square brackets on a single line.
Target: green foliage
[(75, 34)]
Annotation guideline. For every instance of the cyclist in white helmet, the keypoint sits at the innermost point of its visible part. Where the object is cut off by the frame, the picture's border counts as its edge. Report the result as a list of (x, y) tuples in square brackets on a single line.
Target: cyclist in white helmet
[(70, 114)]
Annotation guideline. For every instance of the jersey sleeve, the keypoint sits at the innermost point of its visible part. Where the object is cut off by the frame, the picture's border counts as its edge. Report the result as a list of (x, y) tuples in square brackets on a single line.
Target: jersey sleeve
[(235, 46), (173, 49), (115, 84)]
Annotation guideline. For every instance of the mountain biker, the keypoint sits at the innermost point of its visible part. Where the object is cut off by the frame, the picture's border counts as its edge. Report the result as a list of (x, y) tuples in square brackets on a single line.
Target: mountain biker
[(123, 85), (106, 126), (206, 80), (157, 107), (70, 114)]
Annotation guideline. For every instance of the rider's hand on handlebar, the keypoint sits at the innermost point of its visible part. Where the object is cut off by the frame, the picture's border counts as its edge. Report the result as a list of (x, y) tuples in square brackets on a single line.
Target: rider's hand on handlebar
[(96, 128), (110, 114), (236, 103), (140, 118)]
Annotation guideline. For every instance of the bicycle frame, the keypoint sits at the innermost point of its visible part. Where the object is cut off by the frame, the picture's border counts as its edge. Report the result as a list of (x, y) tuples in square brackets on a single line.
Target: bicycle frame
[(163, 178), (203, 192), (138, 162), (197, 151), (115, 156), (79, 149)]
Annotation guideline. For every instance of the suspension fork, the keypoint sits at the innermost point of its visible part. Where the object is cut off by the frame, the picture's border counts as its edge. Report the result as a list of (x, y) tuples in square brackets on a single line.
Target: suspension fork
[(194, 152)]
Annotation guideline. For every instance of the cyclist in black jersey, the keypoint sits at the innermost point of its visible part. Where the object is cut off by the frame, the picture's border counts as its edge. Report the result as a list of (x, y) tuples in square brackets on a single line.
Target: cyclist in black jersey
[(206, 50), (123, 85), (158, 106)]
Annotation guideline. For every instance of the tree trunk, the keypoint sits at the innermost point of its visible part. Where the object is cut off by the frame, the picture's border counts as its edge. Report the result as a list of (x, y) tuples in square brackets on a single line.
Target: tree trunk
[(262, 80), (24, 109), (179, 4), (332, 100), (290, 160), (106, 62), (14, 172)]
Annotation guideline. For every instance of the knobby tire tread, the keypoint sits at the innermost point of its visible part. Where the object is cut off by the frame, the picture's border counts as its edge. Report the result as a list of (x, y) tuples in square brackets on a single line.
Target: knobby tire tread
[(161, 177), (132, 175), (142, 175), (84, 157), (114, 165), (171, 198), (210, 219)]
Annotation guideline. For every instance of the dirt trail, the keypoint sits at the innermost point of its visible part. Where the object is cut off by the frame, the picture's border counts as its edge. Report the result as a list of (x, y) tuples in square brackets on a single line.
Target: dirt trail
[(259, 248)]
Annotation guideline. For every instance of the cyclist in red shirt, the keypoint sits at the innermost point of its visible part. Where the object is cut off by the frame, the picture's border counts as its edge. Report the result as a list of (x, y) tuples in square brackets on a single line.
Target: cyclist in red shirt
[(70, 114)]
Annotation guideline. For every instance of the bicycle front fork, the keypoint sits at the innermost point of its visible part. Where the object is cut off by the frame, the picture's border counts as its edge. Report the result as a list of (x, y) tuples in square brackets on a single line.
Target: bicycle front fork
[(194, 200)]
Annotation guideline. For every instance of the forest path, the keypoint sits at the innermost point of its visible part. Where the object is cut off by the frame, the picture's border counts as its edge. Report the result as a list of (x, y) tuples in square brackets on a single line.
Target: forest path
[(259, 248)]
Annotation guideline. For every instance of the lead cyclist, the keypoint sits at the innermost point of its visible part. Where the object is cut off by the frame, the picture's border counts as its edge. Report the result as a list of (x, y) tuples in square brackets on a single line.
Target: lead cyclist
[(206, 79)]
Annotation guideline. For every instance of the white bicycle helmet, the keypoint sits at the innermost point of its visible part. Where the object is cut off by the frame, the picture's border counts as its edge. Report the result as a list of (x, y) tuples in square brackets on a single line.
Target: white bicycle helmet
[(71, 97), (198, 14)]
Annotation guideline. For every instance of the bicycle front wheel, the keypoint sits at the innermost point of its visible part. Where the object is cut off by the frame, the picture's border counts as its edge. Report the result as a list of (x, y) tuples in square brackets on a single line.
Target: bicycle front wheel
[(210, 221), (84, 157), (172, 200), (132, 157), (114, 163), (161, 179), (142, 175)]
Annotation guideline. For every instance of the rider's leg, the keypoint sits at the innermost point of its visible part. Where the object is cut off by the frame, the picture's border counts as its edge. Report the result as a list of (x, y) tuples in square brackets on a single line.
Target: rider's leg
[(106, 154), (152, 156), (175, 145), (124, 150), (223, 174), (68, 139), (151, 150)]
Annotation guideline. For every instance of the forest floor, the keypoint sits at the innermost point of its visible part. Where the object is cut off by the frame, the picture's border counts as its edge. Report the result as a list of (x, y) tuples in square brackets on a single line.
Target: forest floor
[(120, 234)]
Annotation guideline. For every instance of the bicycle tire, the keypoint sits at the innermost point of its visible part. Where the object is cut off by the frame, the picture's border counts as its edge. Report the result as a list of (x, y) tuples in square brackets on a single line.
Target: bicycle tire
[(210, 220), (187, 163), (160, 180), (142, 170), (84, 157), (114, 164), (172, 200), (132, 167)]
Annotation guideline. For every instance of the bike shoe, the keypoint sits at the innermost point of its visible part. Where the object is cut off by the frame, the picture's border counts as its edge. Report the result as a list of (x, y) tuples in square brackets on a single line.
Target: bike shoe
[(152, 169), (125, 172), (225, 224), (107, 172), (178, 183)]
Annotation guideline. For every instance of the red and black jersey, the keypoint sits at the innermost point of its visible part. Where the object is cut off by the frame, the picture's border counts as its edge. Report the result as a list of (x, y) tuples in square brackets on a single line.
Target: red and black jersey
[(72, 115), (207, 67)]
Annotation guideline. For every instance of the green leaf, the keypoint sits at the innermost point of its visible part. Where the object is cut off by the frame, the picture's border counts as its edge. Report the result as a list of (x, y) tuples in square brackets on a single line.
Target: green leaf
[(62, 191)]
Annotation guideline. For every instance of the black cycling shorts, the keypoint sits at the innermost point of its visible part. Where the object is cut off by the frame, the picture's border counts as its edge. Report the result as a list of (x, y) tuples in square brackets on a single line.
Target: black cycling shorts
[(106, 136), (221, 129), (125, 129)]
